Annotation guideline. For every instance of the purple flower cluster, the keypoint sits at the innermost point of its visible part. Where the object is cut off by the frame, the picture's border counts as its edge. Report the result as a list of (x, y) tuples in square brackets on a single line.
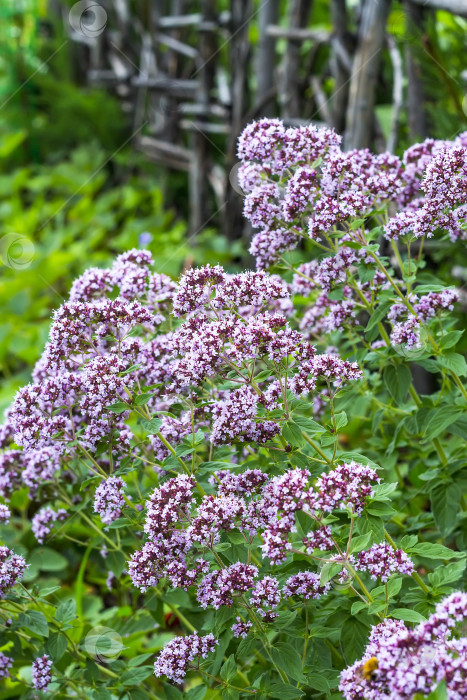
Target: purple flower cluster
[(108, 499), (321, 539), (177, 526), (346, 487), (407, 332), (407, 662), (240, 628), (381, 561), (299, 179), (43, 521), (5, 664), (5, 514), (220, 586), (264, 596), (306, 584), (178, 654), (235, 419), (444, 200), (41, 675), (12, 568)]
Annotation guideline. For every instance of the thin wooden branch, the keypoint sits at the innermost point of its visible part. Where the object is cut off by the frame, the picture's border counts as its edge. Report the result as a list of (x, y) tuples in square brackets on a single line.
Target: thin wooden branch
[(397, 92), (291, 89), (322, 101), (168, 153), (360, 118), (416, 25), (176, 45), (298, 34), (268, 13), (341, 63)]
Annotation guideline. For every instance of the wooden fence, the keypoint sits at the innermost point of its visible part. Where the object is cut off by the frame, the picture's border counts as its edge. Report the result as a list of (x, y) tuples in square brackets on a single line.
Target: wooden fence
[(192, 74)]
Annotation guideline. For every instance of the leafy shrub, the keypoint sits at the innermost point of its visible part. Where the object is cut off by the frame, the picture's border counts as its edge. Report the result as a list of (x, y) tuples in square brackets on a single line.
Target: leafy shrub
[(237, 471)]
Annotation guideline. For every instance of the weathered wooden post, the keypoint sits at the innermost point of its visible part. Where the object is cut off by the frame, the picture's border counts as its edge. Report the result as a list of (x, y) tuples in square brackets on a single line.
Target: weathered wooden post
[(365, 68)]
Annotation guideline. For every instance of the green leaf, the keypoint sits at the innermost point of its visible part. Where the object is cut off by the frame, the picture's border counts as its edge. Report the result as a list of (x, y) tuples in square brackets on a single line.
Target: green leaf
[(309, 425), (118, 407), (135, 675), (151, 426), (138, 660), (360, 543), (197, 693), (429, 550), (382, 491), (171, 692), (381, 509), (447, 574), (318, 682), (397, 379), (408, 541), (66, 611), (357, 223), (293, 434), (439, 693), (376, 606), (35, 621), (47, 559), (284, 691), (116, 562), (454, 362), (329, 570), (288, 660), (354, 637), (236, 537), (372, 524), (438, 419), (407, 614), (378, 315), (450, 339), (228, 669), (219, 466), (56, 646), (445, 502), (142, 399), (341, 419)]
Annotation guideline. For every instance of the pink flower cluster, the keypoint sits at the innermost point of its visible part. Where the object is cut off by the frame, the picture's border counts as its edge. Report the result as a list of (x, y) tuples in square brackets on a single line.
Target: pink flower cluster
[(381, 561), (108, 499), (414, 661), (407, 332), (12, 568), (178, 525), (179, 654), (41, 675), (299, 179), (6, 663), (43, 521)]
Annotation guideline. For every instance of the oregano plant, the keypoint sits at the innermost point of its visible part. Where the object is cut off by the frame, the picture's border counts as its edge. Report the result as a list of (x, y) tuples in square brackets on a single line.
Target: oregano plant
[(253, 484)]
